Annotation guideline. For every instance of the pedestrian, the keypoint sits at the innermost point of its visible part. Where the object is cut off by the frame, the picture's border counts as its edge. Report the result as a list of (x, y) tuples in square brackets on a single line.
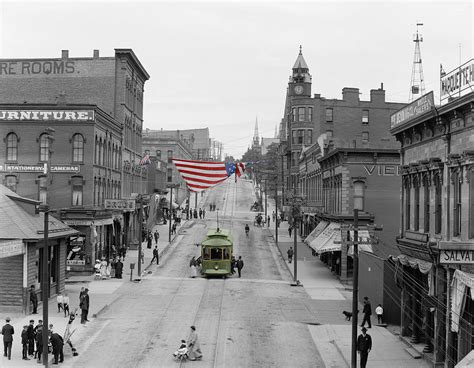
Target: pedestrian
[(30, 332), (364, 345), (80, 294), (155, 256), (379, 313), (193, 345), (289, 230), (273, 216), (195, 213), (39, 340), (59, 300), (233, 265), (192, 265), (7, 332), (34, 299), (149, 240), (66, 305), (58, 343), (173, 228), (268, 221), (203, 213), (84, 305), (124, 252), (290, 253), (200, 213), (367, 311), (157, 236), (103, 269), (24, 343), (118, 269), (240, 265)]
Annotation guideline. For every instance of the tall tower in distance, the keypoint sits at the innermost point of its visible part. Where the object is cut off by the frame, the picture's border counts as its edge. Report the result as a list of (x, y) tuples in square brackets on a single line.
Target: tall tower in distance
[(417, 85), (256, 138)]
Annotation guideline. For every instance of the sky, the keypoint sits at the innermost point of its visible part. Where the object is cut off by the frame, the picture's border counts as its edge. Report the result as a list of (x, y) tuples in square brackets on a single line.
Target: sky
[(224, 64)]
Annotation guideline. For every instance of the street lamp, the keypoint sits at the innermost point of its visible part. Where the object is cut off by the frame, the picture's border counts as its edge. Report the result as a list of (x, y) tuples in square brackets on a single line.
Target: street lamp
[(171, 186), (355, 283)]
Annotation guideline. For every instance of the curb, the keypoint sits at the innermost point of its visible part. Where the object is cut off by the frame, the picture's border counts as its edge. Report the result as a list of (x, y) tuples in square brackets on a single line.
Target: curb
[(340, 352), (105, 307), (281, 254)]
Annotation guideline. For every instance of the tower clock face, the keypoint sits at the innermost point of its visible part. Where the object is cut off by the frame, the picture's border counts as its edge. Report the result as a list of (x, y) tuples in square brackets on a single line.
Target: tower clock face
[(299, 90)]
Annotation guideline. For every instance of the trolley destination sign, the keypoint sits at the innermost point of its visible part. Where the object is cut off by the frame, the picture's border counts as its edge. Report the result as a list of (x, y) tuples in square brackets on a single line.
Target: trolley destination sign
[(13, 168)]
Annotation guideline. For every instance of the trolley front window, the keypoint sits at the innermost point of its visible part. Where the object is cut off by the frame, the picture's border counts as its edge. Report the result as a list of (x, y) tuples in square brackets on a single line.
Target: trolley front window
[(216, 253), (206, 253)]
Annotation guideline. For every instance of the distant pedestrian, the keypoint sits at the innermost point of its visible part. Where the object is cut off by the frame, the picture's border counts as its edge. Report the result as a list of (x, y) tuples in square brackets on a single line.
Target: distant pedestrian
[(364, 345), (66, 305), (34, 299), (200, 213), (290, 253), (273, 216), (7, 332), (195, 214), (203, 213), (149, 240), (367, 311), (84, 305), (268, 221), (39, 340), (233, 265), (57, 343), (31, 337), (193, 345), (118, 269), (24, 343), (81, 293), (155, 256), (157, 236), (289, 230), (123, 252), (240, 265), (59, 300), (193, 266), (379, 313)]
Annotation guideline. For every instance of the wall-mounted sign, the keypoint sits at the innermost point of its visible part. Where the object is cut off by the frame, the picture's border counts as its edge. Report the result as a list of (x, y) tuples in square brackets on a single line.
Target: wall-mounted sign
[(45, 67), (39, 168), (418, 107), (9, 248), (457, 81), (383, 170), (448, 256), (47, 115), (120, 204), (76, 262)]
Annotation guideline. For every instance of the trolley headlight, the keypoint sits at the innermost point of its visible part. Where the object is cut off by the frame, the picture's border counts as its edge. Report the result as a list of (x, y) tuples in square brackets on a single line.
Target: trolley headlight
[(216, 267)]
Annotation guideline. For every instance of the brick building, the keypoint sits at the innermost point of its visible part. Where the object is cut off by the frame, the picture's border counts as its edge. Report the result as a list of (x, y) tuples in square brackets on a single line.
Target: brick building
[(109, 91), (21, 251), (436, 235)]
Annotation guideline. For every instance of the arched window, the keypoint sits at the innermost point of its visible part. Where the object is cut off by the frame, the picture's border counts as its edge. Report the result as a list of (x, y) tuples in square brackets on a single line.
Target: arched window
[(77, 148), (44, 148), (12, 147), (359, 187)]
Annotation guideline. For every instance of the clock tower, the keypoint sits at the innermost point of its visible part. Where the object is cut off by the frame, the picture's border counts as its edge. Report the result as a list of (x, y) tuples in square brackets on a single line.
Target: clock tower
[(300, 81)]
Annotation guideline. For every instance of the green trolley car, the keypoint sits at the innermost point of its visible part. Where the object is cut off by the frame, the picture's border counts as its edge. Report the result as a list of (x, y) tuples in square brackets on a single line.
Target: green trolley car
[(216, 253)]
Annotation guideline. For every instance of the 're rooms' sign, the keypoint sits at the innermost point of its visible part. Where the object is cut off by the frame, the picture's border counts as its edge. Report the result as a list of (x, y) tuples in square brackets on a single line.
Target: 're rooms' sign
[(47, 115), (44, 67)]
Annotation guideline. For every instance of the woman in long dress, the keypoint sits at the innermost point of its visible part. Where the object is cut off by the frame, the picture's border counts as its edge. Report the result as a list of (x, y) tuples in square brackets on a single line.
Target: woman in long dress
[(193, 345)]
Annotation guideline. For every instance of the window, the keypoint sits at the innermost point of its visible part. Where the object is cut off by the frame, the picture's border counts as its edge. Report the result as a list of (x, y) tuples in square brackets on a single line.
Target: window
[(438, 214), (170, 155), (329, 133), (293, 113), (300, 113), (169, 173), (10, 182), (76, 183), (365, 116), (77, 148), (12, 147), (359, 195), (471, 203), (416, 217), (309, 137), (293, 137), (300, 136), (407, 205), (457, 183), (42, 189), (426, 201), (329, 116), (310, 113), (365, 137), (44, 148), (158, 154)]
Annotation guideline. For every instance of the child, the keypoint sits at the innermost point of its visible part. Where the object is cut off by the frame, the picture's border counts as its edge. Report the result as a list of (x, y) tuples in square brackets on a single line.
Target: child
[(59, 299), (379, 313), (24, 342), (181, 350), (66, 305)]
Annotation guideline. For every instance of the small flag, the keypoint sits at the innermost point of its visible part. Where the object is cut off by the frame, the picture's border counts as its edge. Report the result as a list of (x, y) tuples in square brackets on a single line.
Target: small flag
[(442, 73), (145, 160)]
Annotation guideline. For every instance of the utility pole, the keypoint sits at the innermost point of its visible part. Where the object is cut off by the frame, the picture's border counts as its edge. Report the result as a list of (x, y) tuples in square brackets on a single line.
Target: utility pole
[(45, 265), (140, 234), (276, 213), (171, 187), (265, 181), (296, 201), (355, 288)]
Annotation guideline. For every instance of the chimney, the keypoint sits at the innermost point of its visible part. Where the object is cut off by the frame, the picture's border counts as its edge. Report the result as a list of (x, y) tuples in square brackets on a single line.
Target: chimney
[(350, 94), (377, 95), (96, 54), (64, 54)]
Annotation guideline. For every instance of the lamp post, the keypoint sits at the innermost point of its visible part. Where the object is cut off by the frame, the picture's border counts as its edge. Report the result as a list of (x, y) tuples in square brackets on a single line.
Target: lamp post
[(45, 274), (355, 287), (171, 187)]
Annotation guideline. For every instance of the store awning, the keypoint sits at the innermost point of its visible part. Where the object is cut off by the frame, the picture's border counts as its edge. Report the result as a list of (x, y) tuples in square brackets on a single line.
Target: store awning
[(324, 242), (333, 244), (364, 239), (416, 263), (316, 231)]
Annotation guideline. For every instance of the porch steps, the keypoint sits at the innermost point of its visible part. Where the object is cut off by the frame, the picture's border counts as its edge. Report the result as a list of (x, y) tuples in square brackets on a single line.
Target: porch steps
[(413, 352)]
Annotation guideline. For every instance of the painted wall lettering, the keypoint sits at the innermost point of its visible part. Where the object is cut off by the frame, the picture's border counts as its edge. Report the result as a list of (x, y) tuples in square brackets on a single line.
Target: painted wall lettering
[(78, 115), (37, 67), (383, 170)]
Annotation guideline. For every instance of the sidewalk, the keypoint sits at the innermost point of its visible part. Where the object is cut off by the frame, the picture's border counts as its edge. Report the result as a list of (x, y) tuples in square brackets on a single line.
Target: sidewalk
[(329, 297), (102, 294)]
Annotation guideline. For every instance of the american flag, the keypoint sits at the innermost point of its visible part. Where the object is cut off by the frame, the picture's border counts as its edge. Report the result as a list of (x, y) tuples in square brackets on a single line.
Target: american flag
[(145, 160), (201, 175)]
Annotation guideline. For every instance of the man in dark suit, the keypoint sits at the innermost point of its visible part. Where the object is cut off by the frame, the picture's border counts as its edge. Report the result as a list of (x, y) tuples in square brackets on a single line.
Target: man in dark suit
[(367, 311), (34, 299), (31, 337), (84, 305), (364, 345), (7, 332), (240, 265), (58, 344)]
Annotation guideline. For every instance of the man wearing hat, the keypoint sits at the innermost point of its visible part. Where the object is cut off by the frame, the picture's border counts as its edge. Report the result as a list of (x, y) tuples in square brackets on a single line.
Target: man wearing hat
[(84, 305), (7, 332), (364, 345)]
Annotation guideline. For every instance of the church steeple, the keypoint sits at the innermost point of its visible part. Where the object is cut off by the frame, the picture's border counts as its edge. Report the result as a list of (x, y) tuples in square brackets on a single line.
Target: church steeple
[(256, 139)]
